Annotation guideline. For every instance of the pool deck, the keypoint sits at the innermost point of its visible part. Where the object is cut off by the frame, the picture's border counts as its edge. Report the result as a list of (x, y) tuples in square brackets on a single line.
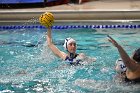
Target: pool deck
[(88, 11)]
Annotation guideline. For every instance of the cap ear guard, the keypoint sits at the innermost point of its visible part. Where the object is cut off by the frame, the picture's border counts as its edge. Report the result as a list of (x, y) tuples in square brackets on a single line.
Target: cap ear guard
[(65, 43)]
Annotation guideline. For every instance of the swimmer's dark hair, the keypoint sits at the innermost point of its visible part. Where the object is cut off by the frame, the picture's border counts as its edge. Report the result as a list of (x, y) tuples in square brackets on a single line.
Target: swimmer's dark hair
[(136, 56)]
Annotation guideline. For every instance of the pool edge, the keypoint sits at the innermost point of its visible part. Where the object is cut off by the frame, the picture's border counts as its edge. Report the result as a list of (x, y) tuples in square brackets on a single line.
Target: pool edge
[(72, 15)]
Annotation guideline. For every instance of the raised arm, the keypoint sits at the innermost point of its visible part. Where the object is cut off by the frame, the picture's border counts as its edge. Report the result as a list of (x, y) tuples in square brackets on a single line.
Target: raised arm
[(54, 49), (125, 57)]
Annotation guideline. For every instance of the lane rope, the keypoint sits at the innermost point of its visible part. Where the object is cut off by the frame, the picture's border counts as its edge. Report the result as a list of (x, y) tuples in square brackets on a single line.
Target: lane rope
[(72, 26)]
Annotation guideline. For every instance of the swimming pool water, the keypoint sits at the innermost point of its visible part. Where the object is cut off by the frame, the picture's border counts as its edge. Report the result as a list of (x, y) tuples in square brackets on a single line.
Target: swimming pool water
[(28, 66)]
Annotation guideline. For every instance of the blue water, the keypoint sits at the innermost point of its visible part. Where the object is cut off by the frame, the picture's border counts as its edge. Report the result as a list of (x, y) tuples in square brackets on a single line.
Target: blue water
[(28, 66)]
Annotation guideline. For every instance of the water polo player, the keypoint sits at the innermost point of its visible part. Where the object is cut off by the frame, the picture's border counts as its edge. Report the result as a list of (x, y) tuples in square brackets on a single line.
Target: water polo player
[(70, 45), (132, 64)]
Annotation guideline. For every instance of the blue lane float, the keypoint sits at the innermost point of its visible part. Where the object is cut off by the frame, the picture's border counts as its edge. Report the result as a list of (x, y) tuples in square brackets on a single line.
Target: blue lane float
[(72, 26)]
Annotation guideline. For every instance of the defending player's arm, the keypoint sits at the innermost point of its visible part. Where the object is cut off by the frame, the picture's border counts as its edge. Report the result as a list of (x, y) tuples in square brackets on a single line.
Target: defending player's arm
[(125, 57)]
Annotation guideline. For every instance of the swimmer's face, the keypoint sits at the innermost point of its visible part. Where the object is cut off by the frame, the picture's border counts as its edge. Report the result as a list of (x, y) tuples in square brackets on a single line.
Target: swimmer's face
[(72, 47)]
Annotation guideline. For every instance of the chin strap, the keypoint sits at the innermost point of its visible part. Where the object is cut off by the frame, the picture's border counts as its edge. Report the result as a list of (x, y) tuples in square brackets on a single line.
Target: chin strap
[(72, 55)]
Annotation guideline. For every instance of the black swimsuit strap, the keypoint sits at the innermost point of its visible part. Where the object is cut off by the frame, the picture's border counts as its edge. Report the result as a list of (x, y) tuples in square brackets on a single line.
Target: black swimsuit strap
[(137, 80)]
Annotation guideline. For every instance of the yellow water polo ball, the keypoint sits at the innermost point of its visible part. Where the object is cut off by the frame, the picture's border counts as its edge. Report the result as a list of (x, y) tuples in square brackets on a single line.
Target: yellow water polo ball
[(46, 19)]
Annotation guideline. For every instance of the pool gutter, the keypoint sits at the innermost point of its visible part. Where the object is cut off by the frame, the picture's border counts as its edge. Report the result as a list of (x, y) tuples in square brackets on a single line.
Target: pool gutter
[(70, 15)]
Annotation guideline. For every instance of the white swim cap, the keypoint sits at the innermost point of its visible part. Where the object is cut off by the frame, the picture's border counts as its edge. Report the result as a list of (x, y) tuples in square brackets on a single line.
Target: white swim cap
[(67, 41), (120, 67)]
